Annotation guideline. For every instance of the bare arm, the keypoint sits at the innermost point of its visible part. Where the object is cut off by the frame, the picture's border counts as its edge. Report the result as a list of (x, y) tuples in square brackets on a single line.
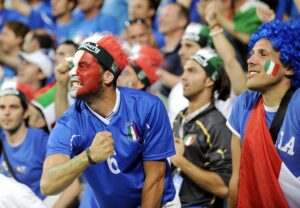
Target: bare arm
[(60, 171), (207, 180), (154, 183), (233, 184), (69, 195), (168, 79), (61, 95), (297, 3)]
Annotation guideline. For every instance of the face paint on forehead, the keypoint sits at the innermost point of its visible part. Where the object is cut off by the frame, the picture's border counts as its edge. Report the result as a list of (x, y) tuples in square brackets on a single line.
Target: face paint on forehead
[(88, 73), (271, 68)]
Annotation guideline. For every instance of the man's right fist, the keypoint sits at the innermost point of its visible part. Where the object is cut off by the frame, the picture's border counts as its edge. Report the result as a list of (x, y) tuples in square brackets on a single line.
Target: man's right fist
[(102, 146)]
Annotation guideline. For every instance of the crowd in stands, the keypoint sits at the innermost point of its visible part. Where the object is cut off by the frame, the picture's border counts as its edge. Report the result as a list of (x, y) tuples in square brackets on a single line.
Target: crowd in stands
[(192, 54)]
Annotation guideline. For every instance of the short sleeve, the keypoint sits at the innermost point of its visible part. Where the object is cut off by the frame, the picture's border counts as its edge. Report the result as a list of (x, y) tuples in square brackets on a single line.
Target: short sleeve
[(159, 141), (60, 138)]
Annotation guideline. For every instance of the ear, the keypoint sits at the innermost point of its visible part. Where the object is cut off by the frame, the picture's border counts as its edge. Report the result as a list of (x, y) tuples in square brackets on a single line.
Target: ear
[(289, 72), (209, 82), (108, 77), (26, 114), (140, 85), (151, 13)]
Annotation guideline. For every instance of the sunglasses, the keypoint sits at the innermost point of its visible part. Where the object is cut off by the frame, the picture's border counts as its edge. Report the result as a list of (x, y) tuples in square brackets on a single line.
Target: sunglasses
[(135, 21)]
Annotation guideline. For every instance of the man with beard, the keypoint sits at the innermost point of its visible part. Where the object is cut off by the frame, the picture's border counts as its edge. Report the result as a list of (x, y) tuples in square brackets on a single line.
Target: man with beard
[(113, 135)]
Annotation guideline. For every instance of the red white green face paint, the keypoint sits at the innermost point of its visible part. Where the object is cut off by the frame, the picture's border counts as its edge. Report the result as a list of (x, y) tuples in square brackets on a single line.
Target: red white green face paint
[(271, 68), (85, 75)]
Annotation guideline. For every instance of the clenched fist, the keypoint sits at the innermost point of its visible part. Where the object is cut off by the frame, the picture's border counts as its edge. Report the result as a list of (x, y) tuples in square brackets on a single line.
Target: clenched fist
[(102, 146)]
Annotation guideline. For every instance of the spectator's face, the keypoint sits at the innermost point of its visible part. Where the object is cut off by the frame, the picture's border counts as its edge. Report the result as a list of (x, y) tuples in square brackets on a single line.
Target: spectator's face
[(128, 78), (138, 33), (8, 40), (187, 50), (258, 77), (29, 73), (194, 80), (35, 117), (169, 19), (59, 7), (63, 51), (85, 75), (140, 9), (11, 113), (30, 44), (88, 5)]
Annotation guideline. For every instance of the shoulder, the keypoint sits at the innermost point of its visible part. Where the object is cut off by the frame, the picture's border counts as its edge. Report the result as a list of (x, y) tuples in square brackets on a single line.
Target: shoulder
[(138, 96), (246, 100)]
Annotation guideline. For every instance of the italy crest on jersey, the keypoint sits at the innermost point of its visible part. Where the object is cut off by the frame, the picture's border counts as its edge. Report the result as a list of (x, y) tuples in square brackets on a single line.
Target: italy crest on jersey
[(132, 132)]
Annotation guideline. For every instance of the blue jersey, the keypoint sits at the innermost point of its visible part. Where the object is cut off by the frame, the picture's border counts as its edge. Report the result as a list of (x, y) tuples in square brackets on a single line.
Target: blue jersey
[(85, 28), (288, 140), (141, 131), (26, 159)]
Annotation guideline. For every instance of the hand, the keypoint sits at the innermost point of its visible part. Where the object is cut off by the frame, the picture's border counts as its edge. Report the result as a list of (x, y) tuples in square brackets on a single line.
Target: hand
[(265, 14), (102, 146), (61, 72), (179, 148)]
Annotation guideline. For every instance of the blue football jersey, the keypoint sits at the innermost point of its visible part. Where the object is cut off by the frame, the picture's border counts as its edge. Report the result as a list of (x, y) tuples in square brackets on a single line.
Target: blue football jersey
[(288, 140), (27, 159), (141, 131)]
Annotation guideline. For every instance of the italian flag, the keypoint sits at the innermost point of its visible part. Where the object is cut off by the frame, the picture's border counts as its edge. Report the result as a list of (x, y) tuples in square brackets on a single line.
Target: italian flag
[(44, 100), (189, 139), (132, 133), (271, 68)]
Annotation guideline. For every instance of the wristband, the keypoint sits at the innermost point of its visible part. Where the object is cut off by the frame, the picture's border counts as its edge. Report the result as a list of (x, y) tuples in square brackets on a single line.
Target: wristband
[(88, 154), (217, 32)]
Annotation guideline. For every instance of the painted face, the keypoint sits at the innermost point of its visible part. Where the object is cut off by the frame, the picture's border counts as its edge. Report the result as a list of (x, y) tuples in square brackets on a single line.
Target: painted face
[(85, 75), (264, 66)]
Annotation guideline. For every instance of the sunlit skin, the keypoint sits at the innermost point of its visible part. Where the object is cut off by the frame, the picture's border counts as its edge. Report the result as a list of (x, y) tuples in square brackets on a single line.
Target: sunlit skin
[(195, 80), (11, 113), (188, 49), (85, 75), (257, 79)]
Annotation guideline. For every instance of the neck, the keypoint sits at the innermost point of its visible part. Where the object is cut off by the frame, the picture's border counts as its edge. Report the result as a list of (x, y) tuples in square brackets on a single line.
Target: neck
[(64, 19), (199, 101), (273, 96), (17, 137), (173, 39), (91, 13), (104, 103)]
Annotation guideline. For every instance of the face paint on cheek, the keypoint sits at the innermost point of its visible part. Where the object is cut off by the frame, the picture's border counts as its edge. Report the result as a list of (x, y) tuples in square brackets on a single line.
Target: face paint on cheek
[(271, 68), (89, 76)]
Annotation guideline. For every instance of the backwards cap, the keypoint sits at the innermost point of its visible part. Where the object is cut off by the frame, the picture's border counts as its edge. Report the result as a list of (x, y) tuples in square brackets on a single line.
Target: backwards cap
[(210, 61), (108, 51), (17, 93), (198, 33)]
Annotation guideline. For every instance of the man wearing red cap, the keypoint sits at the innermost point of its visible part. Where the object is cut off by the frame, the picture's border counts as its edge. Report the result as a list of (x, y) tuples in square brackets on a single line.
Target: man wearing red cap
[(112, 135)]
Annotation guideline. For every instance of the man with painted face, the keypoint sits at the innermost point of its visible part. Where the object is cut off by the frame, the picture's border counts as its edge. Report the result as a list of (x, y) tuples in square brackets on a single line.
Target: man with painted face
[(266, 138), (119, 138)]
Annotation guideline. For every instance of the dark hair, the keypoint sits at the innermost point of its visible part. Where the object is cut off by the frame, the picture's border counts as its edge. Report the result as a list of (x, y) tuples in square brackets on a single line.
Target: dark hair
[(222, 85), (70, 43), (45, 40), (183, 12), (19, 29)]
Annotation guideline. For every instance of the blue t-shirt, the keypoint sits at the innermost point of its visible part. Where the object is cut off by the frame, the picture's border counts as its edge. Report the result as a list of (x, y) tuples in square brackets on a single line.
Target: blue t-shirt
[(288, 140), (26, 159), (85, 28), (141, 132)]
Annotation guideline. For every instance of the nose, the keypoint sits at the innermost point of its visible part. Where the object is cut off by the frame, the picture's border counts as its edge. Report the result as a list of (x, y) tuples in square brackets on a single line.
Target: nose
[(251, 60)]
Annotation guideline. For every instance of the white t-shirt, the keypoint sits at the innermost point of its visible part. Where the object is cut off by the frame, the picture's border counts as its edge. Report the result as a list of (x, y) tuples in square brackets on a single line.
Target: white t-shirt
[(14, 195)]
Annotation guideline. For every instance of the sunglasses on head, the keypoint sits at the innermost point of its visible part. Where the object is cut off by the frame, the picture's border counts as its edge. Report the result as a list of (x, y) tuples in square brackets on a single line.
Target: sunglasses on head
[(135, 21)]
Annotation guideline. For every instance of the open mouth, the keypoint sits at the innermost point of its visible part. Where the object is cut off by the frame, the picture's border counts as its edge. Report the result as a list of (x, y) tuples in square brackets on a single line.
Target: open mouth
[(75, 83)]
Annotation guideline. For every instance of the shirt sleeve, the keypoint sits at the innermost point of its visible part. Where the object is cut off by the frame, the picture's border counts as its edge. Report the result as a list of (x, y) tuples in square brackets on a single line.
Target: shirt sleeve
[(159, 141), (219, 154), (60, 138)]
